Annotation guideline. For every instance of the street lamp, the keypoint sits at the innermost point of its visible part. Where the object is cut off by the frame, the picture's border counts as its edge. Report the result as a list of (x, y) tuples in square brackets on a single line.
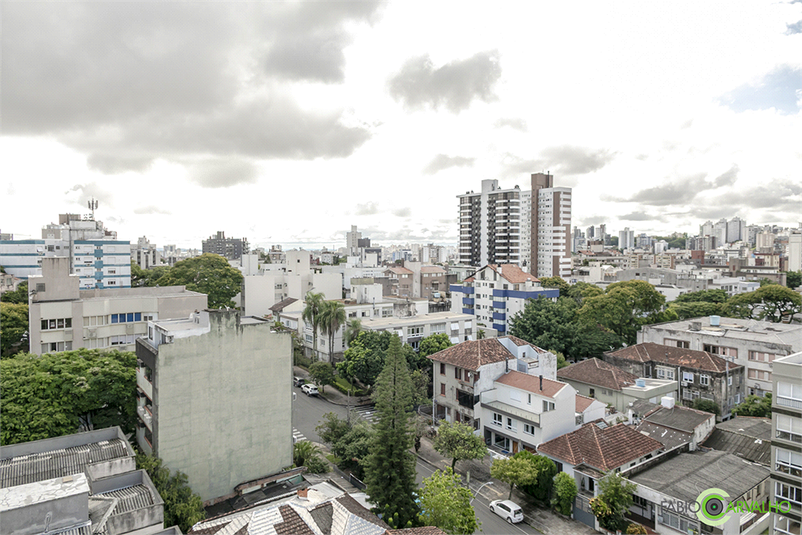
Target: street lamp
[(478, 490)]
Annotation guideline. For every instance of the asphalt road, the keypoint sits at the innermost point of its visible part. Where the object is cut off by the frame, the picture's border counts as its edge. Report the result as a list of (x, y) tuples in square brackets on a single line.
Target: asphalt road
[(307, 413)]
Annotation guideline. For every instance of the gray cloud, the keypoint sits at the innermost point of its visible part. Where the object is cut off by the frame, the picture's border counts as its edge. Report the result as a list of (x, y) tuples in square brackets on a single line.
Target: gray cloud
[(402, 212), (682, 191), (780, 90), (515, 124), (441, 162), (781, 195), (154, 210), (727, 178), (130, 82), (794, 28), (454, 85), (641, 216), (81, 193), (369, 208), (222, 173), (566, 162), (592, 220)]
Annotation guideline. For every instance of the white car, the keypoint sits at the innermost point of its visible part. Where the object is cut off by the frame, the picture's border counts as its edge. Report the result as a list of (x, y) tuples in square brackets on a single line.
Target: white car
[(309, 389), (510, 511)]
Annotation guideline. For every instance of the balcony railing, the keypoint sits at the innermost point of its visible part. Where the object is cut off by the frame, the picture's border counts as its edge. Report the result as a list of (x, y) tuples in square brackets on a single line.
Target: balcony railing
[(146, 416), (789, 402)]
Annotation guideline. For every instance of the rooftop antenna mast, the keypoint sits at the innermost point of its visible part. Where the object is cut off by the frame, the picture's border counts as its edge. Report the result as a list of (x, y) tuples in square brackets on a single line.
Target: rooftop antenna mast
[(92, 206)]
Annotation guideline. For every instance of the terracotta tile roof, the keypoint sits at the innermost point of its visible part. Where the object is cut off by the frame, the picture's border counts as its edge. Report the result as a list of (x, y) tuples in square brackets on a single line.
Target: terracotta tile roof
[(583, 402), (598, 373), (674, 356), (511, 272), (600, 446), (281, 305), (432, 269), (399, 270), (520, 342), (473, 354), (293, 524), (531, 383), (356, 508)]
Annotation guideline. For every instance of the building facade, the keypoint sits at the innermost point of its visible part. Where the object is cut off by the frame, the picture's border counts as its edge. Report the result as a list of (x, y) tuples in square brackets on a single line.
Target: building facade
[(752, 344), (215, 401), (490, 225), (550, 224), (62, 316), (230, 248), (496, 293), (786, 445)]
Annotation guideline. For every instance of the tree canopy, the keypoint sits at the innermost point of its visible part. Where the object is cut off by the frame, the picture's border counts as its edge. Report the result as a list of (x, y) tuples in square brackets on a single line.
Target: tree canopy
[(62, 393), (546, 470), (446, 503), (322, 374), (771, 302), (793, 279), (390, 468), (182, 507), (209, 274), (759, 406), (515, 471), (332, 316), (14, 331), (18, 296), (613, 500), (313, 306), (556, 282), (433, 343), (457, 441), (565, 491), (365, 356)]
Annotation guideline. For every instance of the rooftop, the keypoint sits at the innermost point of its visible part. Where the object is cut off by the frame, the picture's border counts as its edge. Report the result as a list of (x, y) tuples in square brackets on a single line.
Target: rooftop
[(127, 293), (674, 356), (531, 383), (679, 418), (432, 317), (598, 373), (473, 354), (510, 272), (686, 475), (745, 437), (669, 438), (735, 328), (583, 402), (601, 446)]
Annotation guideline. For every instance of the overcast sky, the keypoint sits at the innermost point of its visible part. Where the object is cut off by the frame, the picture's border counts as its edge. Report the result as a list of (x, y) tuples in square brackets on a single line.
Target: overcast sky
[(287, 122)]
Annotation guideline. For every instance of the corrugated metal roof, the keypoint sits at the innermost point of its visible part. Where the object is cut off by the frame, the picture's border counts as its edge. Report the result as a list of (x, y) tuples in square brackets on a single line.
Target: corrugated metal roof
[(130, 498), (58, 463)]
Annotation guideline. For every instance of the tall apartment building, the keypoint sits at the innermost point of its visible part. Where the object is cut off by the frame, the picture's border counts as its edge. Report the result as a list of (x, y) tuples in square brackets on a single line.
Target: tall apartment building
[(490, 225), (145, 254), (786, 445), (508, 226), (230, 248), (352, 241), (626, 239), (62, 316), (96, 256), (215, 401), (550, 224)]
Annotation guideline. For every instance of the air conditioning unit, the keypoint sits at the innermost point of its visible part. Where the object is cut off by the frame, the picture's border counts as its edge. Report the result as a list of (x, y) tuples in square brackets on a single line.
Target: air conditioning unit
[(91, 334)]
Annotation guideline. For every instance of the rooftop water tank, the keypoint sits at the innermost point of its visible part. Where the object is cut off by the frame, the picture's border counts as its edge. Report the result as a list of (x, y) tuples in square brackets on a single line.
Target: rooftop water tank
[(715, 321)]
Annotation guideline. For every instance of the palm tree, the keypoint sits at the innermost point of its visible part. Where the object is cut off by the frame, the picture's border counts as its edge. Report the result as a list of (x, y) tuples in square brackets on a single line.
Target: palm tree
[(332, 316), (352, 330), (311, 313)]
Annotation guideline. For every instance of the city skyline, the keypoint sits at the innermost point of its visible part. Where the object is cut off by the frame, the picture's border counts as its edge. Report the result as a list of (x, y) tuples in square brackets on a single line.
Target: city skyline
[(288, 123)]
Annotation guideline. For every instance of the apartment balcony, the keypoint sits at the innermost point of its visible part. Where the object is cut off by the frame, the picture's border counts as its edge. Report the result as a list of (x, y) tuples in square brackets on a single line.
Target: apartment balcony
[(143, 382), (501, 316), (500, 304), (146, 416), (789, 402), (468, 301)]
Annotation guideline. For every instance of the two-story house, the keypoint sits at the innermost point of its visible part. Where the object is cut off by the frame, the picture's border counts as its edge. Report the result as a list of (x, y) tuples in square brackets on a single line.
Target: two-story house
[(496, 293), (463, 371), (700, 374)]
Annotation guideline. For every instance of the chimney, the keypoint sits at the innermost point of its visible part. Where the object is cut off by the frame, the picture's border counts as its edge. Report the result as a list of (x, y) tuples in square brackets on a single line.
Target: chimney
[(541, 383), (667, 402), (302, 494)]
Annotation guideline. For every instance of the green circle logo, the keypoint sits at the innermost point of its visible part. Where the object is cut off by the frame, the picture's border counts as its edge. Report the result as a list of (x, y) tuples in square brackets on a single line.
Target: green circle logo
[(713, 507)]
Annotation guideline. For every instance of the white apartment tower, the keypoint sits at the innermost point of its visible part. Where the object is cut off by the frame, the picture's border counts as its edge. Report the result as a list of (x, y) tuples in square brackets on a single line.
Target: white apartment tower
[(490, 226), (550, 226)]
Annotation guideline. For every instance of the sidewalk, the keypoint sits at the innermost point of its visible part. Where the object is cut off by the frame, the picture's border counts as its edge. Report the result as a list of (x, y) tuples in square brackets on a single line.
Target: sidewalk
[(543, 520), (332, 395)]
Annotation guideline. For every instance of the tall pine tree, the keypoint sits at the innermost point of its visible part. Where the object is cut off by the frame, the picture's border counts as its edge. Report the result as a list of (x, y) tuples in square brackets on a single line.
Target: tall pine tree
[(390, 468)]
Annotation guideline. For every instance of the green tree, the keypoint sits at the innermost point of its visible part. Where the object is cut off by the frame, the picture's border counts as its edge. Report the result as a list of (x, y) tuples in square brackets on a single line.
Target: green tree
[(457, 441), (312, 309), (433, 344), (420, 388), (623, 308), (703, 296), (636, 529), (772, 302), (332, 428), (793, 279), (582, 290), (565, 491), (364, 358), (209, 274), (547, 323), (613, 500), (706, 405), (147, 277), (390, 469), (556, 282), (58, 394), (352, 329), (546, 470), (349, 443), (303, 451), (18, 296), (332, 316), (182, 507), (696, 309), (515, 471), (322, 374), (14, 331), (759, 406), (446, 503)]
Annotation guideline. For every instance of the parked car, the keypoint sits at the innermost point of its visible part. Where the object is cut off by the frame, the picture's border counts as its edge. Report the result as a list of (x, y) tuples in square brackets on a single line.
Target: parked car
[(298, 381), (510, 511), (309, 390)]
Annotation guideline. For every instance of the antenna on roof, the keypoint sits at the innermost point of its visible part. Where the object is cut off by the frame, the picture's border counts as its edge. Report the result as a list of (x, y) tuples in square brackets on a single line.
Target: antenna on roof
[(92, 206)]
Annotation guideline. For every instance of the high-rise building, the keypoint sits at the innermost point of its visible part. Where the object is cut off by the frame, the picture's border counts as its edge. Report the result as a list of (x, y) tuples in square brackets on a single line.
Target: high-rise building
[(786, 422), (626, 239), (736, 230), (352, 241), (230, 248), (550, 228), (490, 226)]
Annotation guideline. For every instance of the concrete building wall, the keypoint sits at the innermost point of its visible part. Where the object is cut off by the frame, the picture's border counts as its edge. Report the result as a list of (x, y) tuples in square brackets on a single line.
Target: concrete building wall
[(222, 407)]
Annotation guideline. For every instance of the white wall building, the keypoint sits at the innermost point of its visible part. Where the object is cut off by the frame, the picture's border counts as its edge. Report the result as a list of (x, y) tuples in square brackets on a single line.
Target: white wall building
[(490, 225)]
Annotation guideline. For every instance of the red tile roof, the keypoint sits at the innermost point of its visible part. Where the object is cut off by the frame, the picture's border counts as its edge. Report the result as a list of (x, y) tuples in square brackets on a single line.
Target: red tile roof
[(674, 356), (399, 270), (531, 383), (600, 446), (510, 272), (432, 269), (475, 353), (598, 373), (583, 402)]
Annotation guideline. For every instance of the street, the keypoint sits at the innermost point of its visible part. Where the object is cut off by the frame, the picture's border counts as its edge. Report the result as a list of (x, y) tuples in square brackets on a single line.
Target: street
[(308, 412)]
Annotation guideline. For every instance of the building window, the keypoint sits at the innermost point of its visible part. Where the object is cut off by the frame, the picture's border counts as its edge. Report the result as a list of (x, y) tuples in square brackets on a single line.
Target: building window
[(721, 350), (678, 522), (761, 357), (529, 429), (665, 373), (457, 373), (789, 394), (512, 425), (442, 389), (676, 343), (687, 377), (789, 462), (759, 375), (548, 406), (788, 492), (442, 368), (704, 380), (497, 419), (60, 323), (784, 524), (788, 428)]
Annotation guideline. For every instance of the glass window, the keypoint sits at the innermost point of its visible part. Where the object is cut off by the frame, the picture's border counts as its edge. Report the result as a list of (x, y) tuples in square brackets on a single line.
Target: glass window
[(130, 317), (138, 316), (114, 318)]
